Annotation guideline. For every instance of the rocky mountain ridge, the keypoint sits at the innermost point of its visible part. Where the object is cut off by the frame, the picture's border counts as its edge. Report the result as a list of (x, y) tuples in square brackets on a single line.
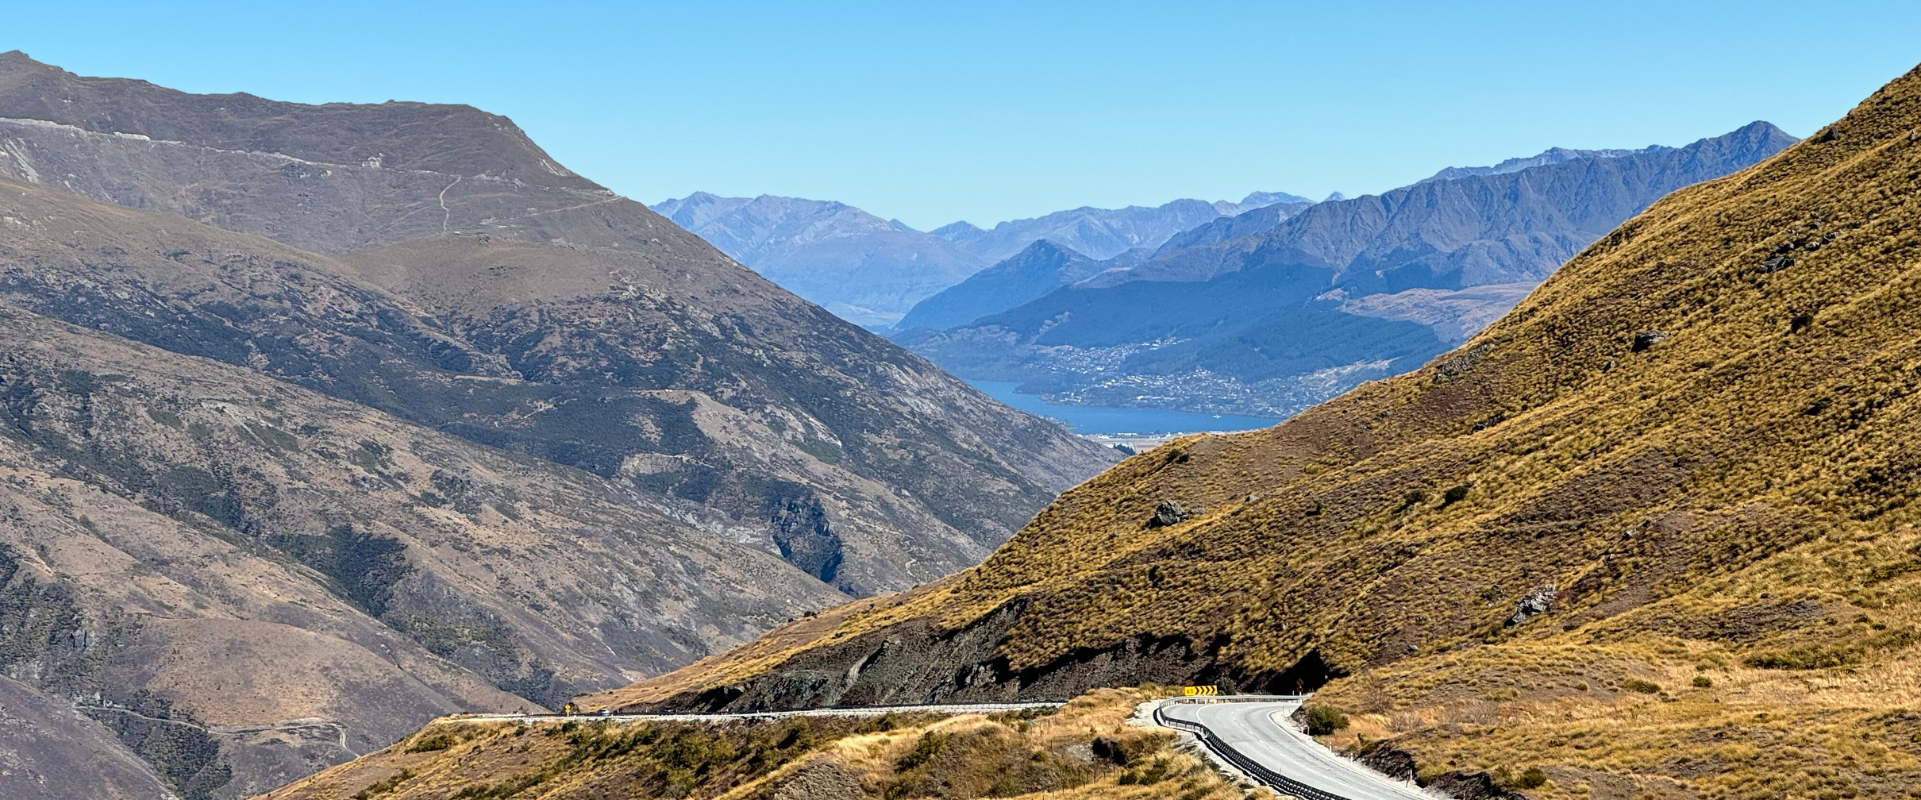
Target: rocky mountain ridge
[(1103, 233), (1552, 155), (383, 401), (1266, 316)]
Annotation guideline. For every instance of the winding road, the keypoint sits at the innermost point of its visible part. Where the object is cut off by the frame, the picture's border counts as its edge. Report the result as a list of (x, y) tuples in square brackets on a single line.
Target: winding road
[(1249, 733), (1254, 736)]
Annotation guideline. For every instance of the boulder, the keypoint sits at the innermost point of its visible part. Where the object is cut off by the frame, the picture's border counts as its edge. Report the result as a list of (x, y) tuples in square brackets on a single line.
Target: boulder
[(1168, 512)]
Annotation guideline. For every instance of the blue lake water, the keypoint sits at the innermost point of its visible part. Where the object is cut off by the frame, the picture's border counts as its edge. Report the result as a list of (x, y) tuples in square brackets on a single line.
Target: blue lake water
[(1089, 420)]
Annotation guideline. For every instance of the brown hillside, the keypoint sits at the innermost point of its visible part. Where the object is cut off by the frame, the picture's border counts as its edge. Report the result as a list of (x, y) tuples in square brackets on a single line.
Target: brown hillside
[(1700, 435), (304, 579), (866, 465)]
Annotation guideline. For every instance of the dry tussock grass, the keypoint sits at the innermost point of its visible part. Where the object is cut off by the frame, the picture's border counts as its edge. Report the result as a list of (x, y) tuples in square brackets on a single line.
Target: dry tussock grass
[(1083, 751), (1733, 499)]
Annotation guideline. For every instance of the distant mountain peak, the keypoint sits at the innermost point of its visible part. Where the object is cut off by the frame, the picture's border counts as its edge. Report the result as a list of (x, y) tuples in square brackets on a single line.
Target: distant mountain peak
[(1552, 155), (958, 231), (1048, 247), (1335, 198), (862, 268)]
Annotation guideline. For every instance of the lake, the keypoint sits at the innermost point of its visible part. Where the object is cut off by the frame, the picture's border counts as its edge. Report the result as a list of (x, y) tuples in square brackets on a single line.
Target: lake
[(1087, 420)]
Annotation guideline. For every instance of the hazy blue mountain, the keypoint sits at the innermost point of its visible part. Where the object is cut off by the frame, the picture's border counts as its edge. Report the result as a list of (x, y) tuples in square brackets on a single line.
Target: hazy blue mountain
[(871, 271), (1273, 320), (1041, 268), (1101, 233), (864, 269)]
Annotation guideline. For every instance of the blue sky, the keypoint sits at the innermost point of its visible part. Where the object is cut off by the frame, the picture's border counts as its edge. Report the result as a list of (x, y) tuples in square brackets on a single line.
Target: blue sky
[(937, 111)]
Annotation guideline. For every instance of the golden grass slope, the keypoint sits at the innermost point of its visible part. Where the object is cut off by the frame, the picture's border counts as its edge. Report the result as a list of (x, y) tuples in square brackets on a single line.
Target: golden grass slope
[(1083, 751), (1701, 433)]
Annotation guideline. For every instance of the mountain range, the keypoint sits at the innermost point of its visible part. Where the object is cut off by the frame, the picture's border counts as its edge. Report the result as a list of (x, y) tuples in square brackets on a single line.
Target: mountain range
[(1103, 233), (870, 271), (858, 266), (1271, 311), (320, 421), (1652, 533)]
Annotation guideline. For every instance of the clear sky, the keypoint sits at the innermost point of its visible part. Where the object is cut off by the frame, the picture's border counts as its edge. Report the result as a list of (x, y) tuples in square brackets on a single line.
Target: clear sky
[(985, 111)]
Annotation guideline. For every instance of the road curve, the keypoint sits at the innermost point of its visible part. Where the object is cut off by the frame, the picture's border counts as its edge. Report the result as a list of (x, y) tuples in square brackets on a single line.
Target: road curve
[(867, 711), (1258, 731)]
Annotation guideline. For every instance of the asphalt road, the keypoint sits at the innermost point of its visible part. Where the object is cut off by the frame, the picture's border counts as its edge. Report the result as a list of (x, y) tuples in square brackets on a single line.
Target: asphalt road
[(871, 711), (1259, 731)]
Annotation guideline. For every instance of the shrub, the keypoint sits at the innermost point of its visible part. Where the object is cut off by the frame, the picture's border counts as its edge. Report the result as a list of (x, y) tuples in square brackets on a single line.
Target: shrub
[(1533, 778), (1322, 720), (433, 742), (383, 787), (1641, 686), (924, 751), (1703, 682)]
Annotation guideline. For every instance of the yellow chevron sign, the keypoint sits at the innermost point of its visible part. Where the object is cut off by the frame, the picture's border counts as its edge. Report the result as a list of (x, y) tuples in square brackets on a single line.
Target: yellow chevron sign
[(1201, 691)]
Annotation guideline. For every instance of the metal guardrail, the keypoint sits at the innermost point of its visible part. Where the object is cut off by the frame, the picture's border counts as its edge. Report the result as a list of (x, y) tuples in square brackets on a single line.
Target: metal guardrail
[(830, 711), (1254, 769)]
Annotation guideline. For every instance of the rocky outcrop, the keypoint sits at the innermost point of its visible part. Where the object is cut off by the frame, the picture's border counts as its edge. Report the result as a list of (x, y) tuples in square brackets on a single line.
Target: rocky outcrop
[(1167, 513), (919, 663), (1531, 605)]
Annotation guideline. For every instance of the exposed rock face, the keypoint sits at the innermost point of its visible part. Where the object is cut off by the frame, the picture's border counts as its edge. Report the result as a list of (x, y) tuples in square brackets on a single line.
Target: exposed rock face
[(924, 664), (1531, 605), (235, 553)]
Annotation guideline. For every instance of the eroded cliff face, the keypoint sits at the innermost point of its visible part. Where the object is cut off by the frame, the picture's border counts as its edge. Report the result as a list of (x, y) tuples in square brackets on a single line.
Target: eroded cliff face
[(303, 580)]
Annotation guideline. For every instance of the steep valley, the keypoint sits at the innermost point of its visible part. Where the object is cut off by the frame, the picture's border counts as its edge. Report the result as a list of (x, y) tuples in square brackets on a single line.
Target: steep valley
[(1653, 533)]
